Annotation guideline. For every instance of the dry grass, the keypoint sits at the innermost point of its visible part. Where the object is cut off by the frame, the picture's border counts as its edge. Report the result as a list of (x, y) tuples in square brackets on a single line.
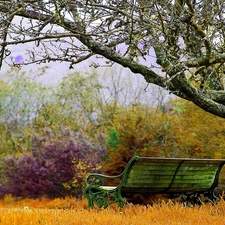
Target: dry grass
[(68, 211)]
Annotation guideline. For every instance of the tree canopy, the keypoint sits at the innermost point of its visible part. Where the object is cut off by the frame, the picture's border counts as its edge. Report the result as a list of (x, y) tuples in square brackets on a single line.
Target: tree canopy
[(176, 44)]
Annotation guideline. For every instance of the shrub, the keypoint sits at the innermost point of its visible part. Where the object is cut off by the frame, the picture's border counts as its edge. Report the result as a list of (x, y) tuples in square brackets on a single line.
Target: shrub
[(181, 129), (57, 169), (135, 130)]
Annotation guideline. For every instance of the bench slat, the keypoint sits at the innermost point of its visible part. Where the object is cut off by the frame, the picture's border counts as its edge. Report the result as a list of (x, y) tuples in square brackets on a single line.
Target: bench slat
[(164, 190), (157, 182), (163, 166), (170, 173), (178, 185), (169, 177)]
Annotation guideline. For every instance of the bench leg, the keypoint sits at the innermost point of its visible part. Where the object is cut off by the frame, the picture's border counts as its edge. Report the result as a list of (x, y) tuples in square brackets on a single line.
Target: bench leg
[(211, 197), (103, 198), (192, 199), (197, 199)]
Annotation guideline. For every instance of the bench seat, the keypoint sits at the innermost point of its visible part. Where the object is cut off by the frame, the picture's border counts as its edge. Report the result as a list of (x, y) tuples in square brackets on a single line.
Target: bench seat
[(148, 175)]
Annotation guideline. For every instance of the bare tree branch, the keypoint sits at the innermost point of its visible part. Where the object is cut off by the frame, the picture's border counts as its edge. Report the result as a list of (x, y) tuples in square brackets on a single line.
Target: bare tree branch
[(178, 45)]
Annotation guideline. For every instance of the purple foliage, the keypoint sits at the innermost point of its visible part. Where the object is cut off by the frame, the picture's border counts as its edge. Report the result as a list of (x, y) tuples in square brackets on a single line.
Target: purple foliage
[(17, 60), (46, 172)]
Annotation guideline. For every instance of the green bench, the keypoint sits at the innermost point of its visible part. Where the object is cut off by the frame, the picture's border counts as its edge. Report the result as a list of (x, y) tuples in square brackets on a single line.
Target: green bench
[(146, 175)]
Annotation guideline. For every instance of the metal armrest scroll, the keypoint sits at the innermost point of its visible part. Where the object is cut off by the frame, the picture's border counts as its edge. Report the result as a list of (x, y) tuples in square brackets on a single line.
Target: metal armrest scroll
[(96, 179), (98, 195)]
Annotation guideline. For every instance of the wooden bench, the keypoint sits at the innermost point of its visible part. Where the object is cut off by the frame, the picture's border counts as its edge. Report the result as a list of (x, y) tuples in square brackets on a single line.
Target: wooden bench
[(146, 175)]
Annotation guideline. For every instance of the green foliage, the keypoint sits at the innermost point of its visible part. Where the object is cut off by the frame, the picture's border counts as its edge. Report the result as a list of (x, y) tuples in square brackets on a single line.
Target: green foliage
[(112, 138)]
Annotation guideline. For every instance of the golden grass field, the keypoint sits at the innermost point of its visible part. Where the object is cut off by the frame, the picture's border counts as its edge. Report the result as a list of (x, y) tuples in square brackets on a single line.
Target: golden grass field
[(69, 211)]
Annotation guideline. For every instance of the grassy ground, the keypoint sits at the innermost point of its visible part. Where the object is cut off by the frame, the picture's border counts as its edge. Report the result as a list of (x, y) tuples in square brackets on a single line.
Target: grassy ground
[(69, 211)]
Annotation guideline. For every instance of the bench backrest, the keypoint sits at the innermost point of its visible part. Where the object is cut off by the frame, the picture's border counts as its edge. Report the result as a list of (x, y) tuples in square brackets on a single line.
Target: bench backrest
[(166, 175)]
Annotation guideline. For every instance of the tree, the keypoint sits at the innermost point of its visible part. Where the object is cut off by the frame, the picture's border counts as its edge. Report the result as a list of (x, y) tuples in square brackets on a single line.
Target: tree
[(21, 99), (96, 96), (186, 38)]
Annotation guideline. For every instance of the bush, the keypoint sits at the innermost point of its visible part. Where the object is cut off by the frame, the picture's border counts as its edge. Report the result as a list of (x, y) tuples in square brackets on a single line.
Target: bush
[(135, 130), (180, 129), (57, 169)]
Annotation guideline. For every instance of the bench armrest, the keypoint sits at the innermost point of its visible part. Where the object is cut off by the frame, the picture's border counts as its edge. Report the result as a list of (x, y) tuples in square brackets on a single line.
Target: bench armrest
[(97, 179)]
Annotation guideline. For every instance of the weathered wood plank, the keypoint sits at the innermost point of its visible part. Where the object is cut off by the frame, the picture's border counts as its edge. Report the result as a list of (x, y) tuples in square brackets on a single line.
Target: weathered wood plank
[(171, 172)]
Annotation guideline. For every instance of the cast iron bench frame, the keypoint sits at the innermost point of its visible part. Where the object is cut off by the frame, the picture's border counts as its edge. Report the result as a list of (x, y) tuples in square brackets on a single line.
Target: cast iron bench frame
[(151, 175)]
